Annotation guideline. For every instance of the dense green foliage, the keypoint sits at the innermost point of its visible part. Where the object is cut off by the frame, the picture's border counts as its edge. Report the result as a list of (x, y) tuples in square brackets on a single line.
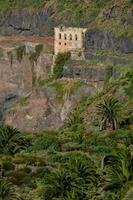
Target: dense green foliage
[(79, 161), (109, 111), (7, 191), (11, 140), (60, 61)]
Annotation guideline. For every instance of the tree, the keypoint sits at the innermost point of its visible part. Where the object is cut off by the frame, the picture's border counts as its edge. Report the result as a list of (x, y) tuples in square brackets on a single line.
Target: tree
[(108, 110), (60, 61), (7, 191), (11, 140)]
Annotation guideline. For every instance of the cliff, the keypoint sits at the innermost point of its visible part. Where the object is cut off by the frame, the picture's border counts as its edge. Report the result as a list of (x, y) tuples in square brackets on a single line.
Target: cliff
[(25, 101), (39, 18)]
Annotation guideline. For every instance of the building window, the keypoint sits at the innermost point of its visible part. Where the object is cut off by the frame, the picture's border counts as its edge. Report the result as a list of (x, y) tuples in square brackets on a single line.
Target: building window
[(59, 43), (65, 44), (59, 35), (76, 37), (70, 36), (65, 36)]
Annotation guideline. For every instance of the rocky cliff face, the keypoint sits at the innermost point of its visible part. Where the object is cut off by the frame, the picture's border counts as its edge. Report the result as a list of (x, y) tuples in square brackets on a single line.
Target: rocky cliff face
[(18, 66), (18, 72), (27, 108), (21, 104), (42, 110), (107, 40), (116, 17), (27, 23)]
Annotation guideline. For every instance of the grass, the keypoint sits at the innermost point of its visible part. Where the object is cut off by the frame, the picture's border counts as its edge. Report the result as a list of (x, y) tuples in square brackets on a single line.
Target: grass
[(22, 101)]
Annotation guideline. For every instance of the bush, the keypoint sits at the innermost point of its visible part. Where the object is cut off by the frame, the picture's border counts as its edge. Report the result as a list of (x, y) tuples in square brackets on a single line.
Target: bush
[(34, 55), (29, 159), (60, 61), (21, 176), (11, 140), (47, 141)]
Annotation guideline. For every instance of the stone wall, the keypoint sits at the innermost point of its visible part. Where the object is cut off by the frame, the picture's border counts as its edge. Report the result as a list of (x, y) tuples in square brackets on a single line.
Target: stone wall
[(93, 75)]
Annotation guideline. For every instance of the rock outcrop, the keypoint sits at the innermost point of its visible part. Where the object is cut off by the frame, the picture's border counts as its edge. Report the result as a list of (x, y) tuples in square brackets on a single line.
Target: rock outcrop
[(26, 23), (18, 75), (18, 66), (42, 109), (107, 40)]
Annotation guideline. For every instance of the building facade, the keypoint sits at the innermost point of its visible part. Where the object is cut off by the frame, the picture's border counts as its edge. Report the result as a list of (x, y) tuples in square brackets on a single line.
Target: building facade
[(68, 39)]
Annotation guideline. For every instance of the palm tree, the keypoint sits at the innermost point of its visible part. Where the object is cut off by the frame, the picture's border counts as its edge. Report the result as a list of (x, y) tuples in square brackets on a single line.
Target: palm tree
[(108, 110), (7, 191), (11, 140), (60, 182), (73, 119), (118, 169), (84, 167)]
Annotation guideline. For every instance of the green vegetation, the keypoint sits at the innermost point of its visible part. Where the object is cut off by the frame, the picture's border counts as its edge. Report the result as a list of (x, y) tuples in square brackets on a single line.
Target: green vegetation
[(34, 55), (90, 157), (109, 111), (11, 140), (20, 52), (60, 61), (79, 161), (65, 88), (23, 100), (7, 191)]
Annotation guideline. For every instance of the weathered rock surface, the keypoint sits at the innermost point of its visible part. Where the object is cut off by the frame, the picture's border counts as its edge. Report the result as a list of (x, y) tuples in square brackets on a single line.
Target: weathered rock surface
[(24, 22), (17, 75), (104, 58), (42, 23), (42, 110), (117, 13), (107, 40), (94, 74)]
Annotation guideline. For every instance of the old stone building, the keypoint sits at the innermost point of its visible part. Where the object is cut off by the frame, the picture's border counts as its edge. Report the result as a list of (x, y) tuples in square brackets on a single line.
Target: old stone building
[(68, 39)]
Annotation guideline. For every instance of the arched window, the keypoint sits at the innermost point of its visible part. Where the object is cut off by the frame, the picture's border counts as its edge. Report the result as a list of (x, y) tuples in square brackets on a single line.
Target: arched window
[(59, 35), (70, 36), (76, 37), (65, 36)]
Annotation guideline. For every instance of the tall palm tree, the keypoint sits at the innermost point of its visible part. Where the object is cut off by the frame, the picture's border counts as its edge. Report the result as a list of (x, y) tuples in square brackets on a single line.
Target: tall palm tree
[(108, 110), (11, 140), (7, 191)]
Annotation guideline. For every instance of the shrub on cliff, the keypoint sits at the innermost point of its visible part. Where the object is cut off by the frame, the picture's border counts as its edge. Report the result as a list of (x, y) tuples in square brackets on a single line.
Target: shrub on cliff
[(60, 61)]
